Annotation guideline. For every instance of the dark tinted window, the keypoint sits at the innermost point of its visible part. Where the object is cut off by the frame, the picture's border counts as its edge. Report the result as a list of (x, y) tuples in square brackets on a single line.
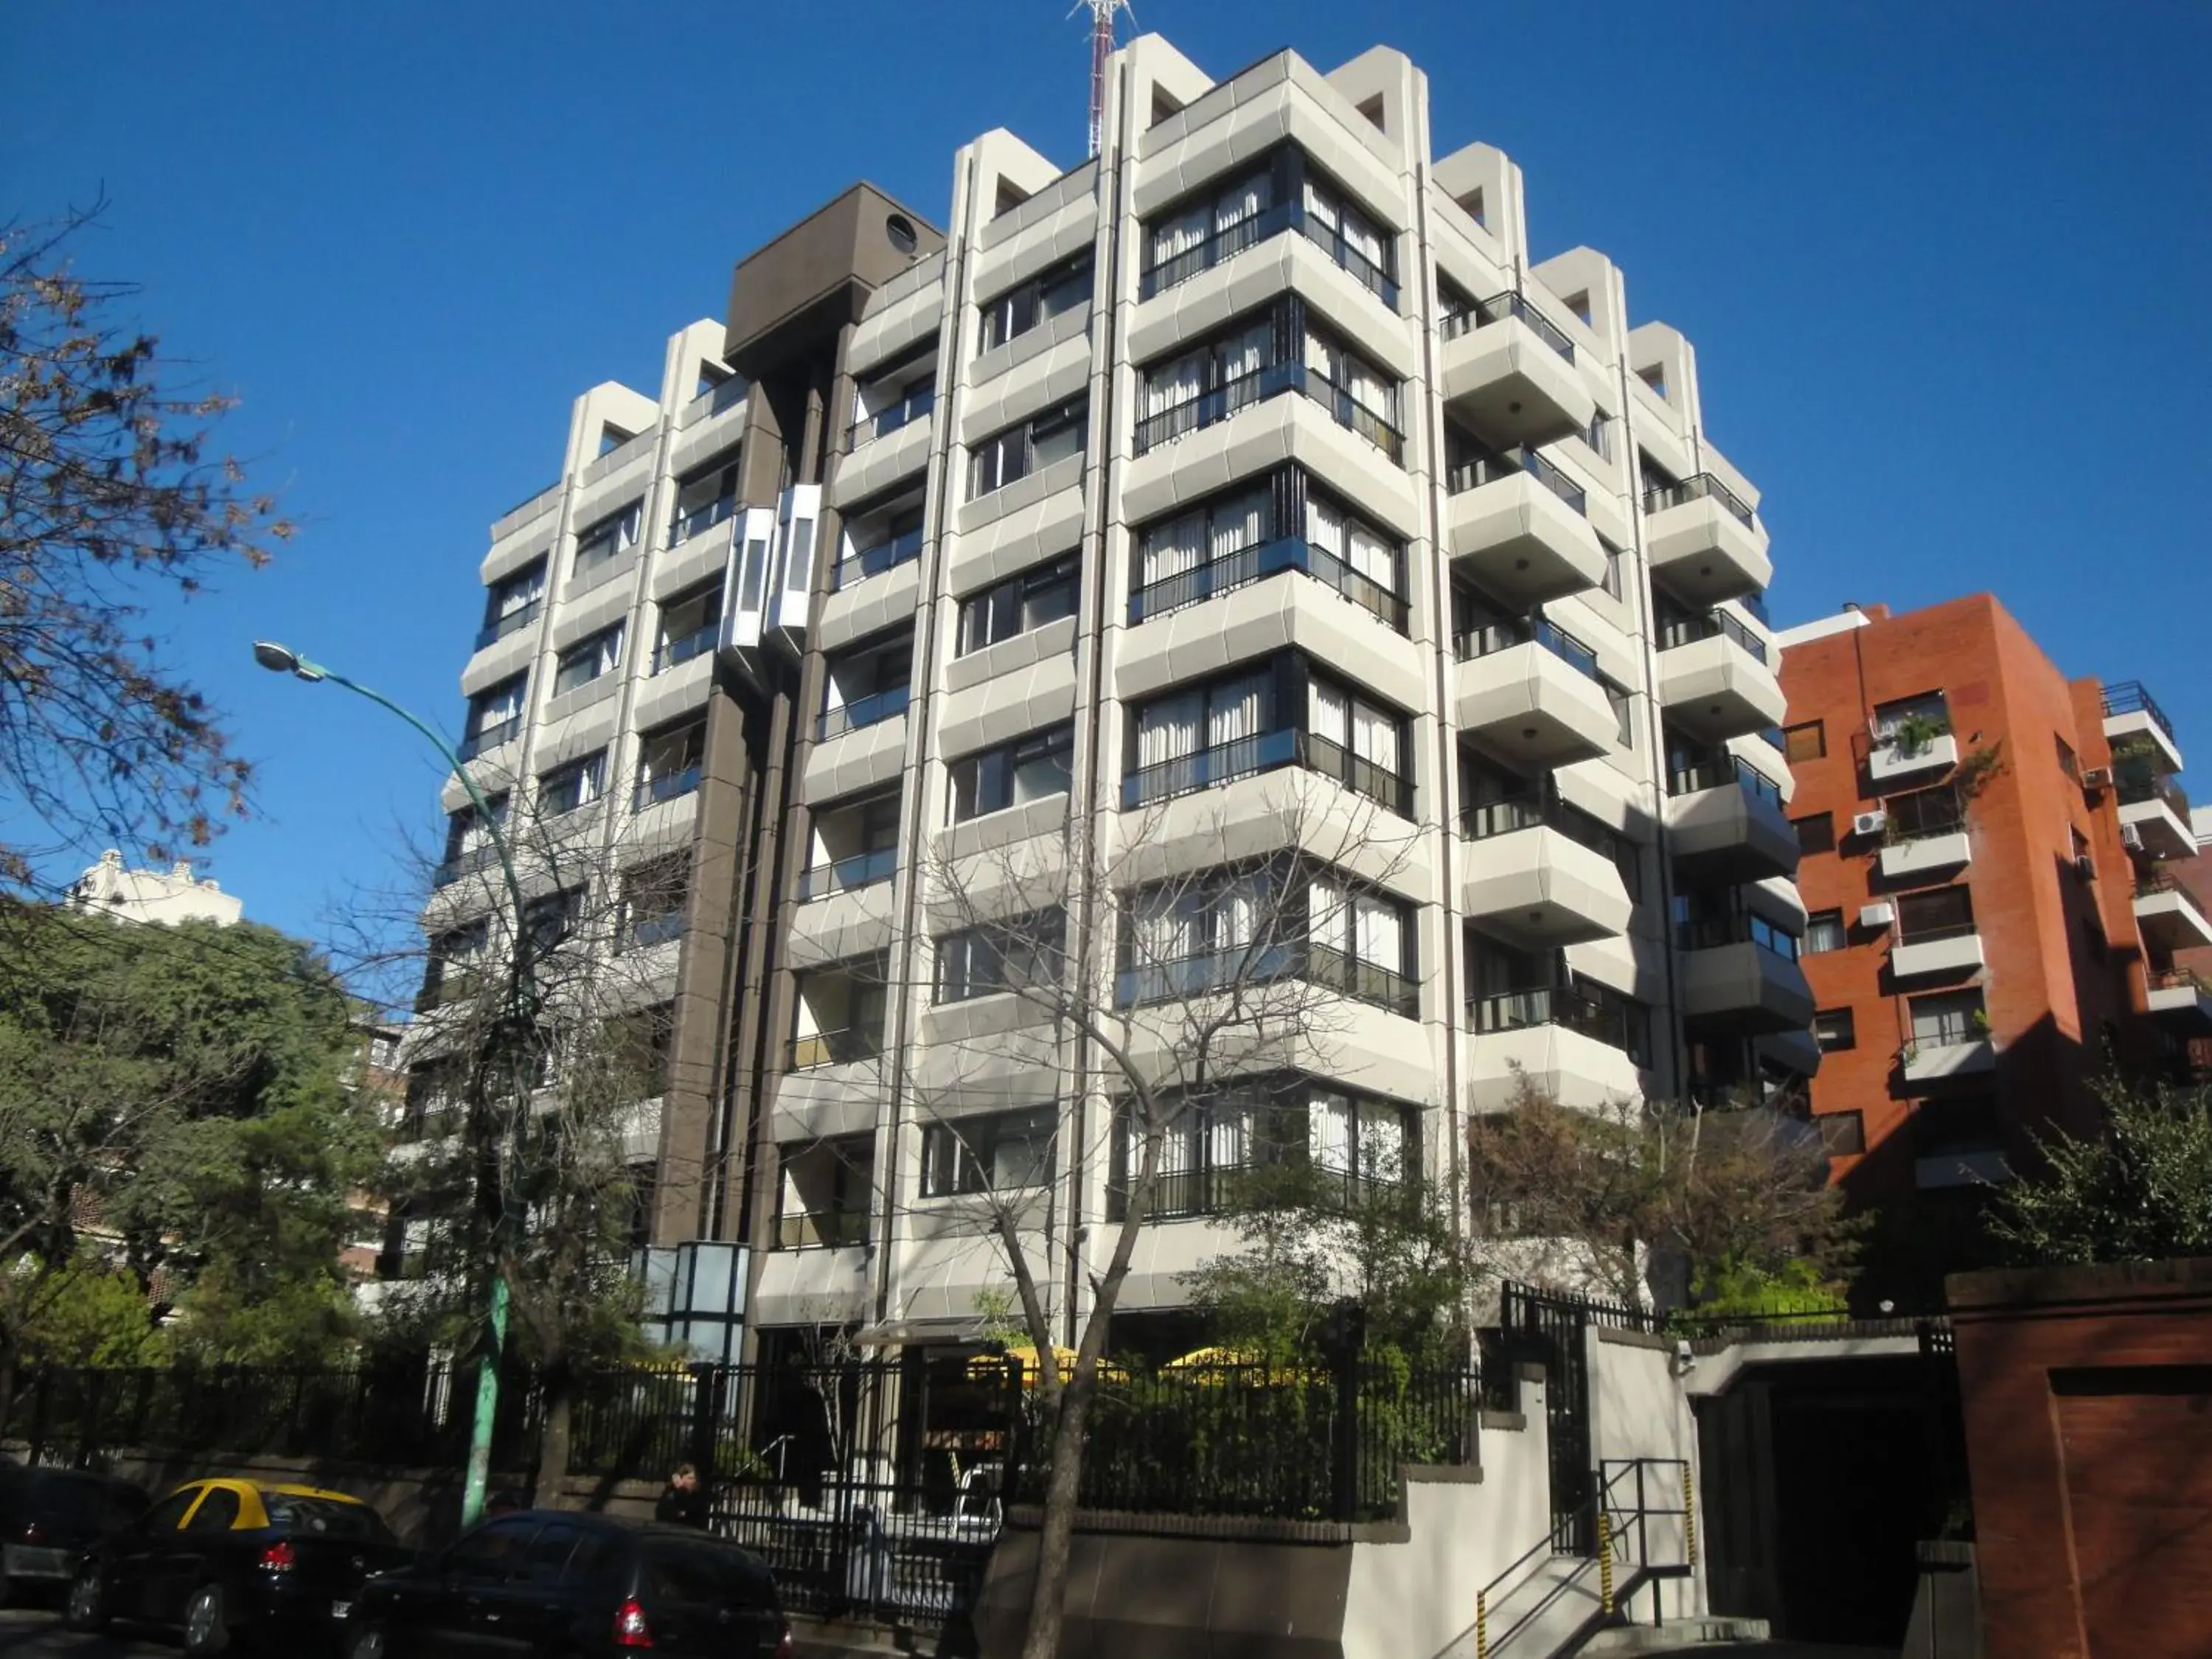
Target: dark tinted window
[(318, 1517), (55, 1495), (494, 1550), (699, 1573), (547, 1560), (218, 1511), (168, 1515)]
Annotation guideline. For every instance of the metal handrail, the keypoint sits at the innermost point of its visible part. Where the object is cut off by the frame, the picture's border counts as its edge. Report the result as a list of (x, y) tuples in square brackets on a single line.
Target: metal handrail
[(688, 524), (846, 874), (488, 737), (1496, 309), (885, 422), (1226, 240), (1503, 636), (500, 627), (1569, 1006), (1211, 407), (1251, 563), (2132, 697), (1716, 774), (1479, 469), (1707, 625), (1702, 486), (862, 711), (671, 653), (874, 561)]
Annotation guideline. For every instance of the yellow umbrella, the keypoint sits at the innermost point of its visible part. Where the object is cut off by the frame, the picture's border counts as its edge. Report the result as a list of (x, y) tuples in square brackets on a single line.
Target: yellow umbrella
[(1212, 1364), (992, 1367)]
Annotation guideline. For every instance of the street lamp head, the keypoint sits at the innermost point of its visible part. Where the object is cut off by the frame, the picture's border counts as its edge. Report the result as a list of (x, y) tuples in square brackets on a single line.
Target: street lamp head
[(280, 659)]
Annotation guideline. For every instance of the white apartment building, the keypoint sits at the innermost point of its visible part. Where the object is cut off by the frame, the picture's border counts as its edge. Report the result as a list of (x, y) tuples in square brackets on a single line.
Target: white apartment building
[(1260, 450), (109, 888)]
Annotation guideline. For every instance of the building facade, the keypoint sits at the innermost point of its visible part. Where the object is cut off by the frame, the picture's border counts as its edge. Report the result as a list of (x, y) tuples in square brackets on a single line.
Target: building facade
[(1994, 866), (1259, 459), (109, 889)]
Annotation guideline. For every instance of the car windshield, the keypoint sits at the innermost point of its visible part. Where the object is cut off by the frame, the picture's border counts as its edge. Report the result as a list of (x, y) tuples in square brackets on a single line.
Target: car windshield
[(323, 1517)]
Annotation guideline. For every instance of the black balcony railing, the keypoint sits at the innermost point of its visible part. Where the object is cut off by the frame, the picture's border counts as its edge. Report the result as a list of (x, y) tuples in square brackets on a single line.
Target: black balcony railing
[(1934, 931), (1701, 487), (863, 711), (838, 1048), (874, 561), (1265, 752), (1479, 469), (1503, 636), (1688, 630), (1500, 306), (1264, 962), (701, 519), (487, 736), (500, 627), (1210, 408), (2133, 787), (1718, 772), (1491, 818), (1247, 565), (1568, 1006), (1252, 230), (821, 1228), (671, 653), (885, 422), (1712, 933), (664, 785), (465, 864), (843, 875), (1386, 788), (2131, 697), (1362, 981)]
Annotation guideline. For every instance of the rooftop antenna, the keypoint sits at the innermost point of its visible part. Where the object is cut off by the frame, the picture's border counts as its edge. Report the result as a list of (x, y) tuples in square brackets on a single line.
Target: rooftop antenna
[(1102, 15)]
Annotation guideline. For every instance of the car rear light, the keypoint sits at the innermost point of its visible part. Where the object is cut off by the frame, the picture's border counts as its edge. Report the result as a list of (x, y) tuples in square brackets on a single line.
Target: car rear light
[(785, 1649), (279, 1557), (630, 1629), (33, 1532)]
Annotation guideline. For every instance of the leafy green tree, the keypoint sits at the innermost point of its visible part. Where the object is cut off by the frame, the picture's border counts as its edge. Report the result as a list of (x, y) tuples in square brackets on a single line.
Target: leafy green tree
[(2141, 1191), (93, 1314), (173, 1097), (111, 497)]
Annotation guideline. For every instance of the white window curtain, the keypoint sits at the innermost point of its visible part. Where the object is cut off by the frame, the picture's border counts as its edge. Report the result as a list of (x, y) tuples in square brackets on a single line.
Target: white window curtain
[(1174, 548), (1238, 523), (1325, 526), (1328, 1133), (1238, 710), (1382, 1143), (1375, 736), (611, 649), (1372, 556), (1328, 918), (1246, 353), (1320, 356), (1245, 201), (1379, 933), (1319, 209), (1226, 1137), (1175, 384), (1168, 729), (1179, 234), (1359, 233), (1330, 714), (1167, 928), (1370, 388), (1235, 913), (1176, 1149)]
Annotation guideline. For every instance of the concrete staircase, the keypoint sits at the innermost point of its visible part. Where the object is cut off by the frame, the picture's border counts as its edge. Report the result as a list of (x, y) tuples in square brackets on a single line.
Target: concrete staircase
[(1675, 1635), (1555, 1614)]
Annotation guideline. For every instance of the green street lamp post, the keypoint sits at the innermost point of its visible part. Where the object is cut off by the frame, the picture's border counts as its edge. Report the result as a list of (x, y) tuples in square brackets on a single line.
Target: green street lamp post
[(279, 660)]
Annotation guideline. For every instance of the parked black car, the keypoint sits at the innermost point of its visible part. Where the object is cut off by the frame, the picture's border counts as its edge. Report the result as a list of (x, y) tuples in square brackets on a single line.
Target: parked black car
[(50, 1518), (552, 1581), (234, 1563)]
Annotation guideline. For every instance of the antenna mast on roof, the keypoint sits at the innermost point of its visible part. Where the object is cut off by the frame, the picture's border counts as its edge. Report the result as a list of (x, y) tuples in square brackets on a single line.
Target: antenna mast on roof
[(1102, 15)]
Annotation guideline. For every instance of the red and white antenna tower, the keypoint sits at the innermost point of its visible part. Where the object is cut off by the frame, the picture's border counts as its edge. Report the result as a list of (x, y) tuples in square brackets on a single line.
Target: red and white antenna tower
[(1104, 14)]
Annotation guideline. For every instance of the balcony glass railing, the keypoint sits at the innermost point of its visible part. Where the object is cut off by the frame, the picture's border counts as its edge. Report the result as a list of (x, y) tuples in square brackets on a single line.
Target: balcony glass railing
[(1211, 408), (1491, 818), (1711, 933), (1262, 964), (1228, 571), (1503, 636), (841, 1047), (2131, 697), (1569, 1006), (874, 561), (487, 736), (1703, 486), (671, 653), (1496, 309), (885, 422), (501, 626), (1479, 470), (1718, 772), (1243, 758), (2133, 788), (465, 864), (665, 785), (701, 519), (862, 711), (1250, 231), (646, 932), (1687, 630), (822, 1229), (844, 875)]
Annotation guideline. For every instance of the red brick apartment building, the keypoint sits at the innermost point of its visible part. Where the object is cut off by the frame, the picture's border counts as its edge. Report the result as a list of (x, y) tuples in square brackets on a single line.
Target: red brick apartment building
[(1991, 855)]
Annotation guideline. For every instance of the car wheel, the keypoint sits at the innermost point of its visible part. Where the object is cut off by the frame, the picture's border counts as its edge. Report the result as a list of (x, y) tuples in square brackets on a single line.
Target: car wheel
[(205, 1629), (367, 1644), (85, 1606)]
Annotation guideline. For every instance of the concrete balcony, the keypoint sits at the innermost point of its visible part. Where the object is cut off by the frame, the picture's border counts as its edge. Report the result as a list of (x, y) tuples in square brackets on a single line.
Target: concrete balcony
[(1535, 700), (1744, 985), (2158, 812), (1714, 679), (1928, 855), (1563, 1042), (2181, 1002), (1537, 886), (1888, 761), (1934, 1062), (2132, 716), (2167, 915), (1520, 531), (1511, 373), (1950, 952), (1726, 819), (1703, 542)]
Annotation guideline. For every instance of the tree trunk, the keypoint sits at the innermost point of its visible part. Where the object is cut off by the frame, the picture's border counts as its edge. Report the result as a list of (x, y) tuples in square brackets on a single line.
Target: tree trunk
[(7, 1351), (553, 1436), (1049, 1593)]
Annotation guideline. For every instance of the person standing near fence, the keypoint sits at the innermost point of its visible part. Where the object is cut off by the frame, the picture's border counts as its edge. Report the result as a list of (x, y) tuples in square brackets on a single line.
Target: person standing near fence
[(682, 1501)]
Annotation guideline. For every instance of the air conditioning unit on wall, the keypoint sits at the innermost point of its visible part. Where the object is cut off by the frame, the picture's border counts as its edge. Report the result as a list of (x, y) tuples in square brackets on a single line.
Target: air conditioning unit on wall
[(1870, 824), (2097, 777), (2131, 837), (1876, 916)]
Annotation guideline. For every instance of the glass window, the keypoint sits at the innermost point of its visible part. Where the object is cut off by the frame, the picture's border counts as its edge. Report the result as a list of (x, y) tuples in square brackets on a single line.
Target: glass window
[(979, 961), (608, 539), (217, 1512), (574, 786), (1948, 1019), (1029, 768), (1843, 1134), (1824, 931), (1030, 448), (1911, 720), (498, 706), (1043, 297), (169, 1514), (493, 1551), (2068, 761), (1925, 812), (1042, 594), (1936, 912), (589, 658), (1834, 1029), (1815, 833), (1808, 741), (994, 1152)]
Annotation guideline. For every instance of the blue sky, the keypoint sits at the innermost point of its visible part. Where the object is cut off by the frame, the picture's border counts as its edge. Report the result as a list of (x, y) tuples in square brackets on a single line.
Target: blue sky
[(1944, 267)]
